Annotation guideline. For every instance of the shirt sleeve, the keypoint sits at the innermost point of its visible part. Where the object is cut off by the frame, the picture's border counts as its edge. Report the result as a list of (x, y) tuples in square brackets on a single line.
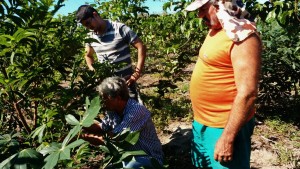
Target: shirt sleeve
[(129, 35), (89, 35), (110, 121), (104, 124), (135, 119)]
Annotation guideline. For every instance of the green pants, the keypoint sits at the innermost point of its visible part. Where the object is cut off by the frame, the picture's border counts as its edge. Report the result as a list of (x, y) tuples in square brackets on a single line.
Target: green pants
[(203, 144)]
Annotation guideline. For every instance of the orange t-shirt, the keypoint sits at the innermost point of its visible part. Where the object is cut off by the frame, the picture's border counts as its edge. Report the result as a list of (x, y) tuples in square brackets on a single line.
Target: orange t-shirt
[(212, 86)]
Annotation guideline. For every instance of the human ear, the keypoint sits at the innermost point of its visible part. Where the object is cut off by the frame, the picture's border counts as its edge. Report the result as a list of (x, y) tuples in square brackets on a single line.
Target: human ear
[(95, 14)]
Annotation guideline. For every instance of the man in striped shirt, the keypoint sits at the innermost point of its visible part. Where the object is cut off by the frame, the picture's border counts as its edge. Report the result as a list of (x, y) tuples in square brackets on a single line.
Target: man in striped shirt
[(124, 112), (113, 40)]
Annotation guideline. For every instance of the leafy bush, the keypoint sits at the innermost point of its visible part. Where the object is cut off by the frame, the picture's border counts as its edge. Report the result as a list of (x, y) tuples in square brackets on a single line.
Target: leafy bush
[(43, 78), (279, 87)]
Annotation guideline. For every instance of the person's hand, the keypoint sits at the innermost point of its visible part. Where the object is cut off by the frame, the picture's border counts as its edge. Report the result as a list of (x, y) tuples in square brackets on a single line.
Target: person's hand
[(92, 69), (133, 78), (223, 150), (95, 128), (92, 138)]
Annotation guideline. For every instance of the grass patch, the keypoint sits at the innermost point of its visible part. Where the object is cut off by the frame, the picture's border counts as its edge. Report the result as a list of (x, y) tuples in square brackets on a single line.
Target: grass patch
[(284, 139)]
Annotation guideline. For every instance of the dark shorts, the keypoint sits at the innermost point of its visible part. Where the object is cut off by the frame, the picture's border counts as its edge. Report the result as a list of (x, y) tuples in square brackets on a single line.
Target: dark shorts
[(203, 144)]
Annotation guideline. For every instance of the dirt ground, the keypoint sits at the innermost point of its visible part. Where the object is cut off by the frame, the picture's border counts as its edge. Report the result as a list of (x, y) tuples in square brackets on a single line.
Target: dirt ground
[(176, 140)]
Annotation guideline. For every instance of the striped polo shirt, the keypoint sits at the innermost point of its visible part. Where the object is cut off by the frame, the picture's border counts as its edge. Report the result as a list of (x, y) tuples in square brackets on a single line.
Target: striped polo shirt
[(114, 46), (136, 117)]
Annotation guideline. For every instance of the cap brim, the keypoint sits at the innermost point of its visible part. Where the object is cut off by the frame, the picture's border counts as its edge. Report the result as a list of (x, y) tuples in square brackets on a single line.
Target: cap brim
[(196, 5)]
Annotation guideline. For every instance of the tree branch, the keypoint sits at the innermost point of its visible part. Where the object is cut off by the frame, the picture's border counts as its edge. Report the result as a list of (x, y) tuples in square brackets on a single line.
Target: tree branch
[(22, 118)]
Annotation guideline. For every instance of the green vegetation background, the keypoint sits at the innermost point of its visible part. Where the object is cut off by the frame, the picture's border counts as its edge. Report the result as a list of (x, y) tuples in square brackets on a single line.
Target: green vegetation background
[(45, 83)]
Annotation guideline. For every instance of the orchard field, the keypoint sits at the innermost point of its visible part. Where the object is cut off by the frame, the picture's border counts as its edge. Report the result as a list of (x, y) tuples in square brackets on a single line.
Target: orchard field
[(47, 94)]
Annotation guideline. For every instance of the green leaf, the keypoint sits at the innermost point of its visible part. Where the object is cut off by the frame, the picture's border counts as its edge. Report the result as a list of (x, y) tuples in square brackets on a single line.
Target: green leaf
[(22, 83), (50, 113), (73, 132), (104, 149), (4, 41), (2, 81), (42, 146), (113, 149), (279, 3), (9, 141), (20, 166), (87, 102), (64, 153), (91, 112), (76, 143), (21, 34), (6, 164), (51, 160), (29, 156), (29, 153), (12, 57), (39, 131), (5, 139), (83, 149), (167, 5), (130, 154), (121, 136), (54, 147), (133, 137), (71, 119)]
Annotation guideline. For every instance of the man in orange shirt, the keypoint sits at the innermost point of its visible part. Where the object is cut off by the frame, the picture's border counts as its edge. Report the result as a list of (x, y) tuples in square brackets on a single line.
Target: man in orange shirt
[(223, 87)]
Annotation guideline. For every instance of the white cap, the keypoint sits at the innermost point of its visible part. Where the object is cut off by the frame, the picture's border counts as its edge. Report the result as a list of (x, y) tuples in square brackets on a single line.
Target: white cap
[(195, 5)]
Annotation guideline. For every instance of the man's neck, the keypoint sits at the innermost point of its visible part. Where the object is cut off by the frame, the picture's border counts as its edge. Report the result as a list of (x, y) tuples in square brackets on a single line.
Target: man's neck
[(122, 105), (102, 29)]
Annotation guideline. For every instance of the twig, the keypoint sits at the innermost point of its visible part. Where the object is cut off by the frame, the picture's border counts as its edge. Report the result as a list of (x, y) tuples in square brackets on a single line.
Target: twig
[(268, 139)]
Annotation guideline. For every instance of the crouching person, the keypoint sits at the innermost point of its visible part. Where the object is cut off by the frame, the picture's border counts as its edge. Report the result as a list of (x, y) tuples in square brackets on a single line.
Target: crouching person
[(124, 112)]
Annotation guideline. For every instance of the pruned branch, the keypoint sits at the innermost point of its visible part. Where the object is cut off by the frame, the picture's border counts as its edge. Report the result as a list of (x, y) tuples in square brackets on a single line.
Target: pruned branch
[(22, 117)]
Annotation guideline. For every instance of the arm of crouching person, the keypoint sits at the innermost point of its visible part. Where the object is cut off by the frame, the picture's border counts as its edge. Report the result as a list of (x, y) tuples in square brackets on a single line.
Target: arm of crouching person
[(93, 134)]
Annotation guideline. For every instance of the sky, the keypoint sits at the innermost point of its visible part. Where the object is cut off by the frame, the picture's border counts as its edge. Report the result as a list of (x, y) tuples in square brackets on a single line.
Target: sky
[(155, 7), (72, 5)]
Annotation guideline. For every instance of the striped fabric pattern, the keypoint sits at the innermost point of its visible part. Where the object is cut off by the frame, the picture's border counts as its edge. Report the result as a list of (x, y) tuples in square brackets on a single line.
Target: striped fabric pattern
[(114, 46), (136, 117)]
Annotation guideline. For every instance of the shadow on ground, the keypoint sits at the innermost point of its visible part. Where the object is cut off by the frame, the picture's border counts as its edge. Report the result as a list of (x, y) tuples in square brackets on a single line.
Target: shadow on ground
[(176, 142)]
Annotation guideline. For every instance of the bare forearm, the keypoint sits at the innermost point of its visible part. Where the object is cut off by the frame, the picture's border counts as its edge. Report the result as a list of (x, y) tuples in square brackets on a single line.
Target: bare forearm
[(93, 139), (140, 62), (141, 51), (95, 128), (241, 108), (93, 134), (238, 116), (141, 59), (89, 61)]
